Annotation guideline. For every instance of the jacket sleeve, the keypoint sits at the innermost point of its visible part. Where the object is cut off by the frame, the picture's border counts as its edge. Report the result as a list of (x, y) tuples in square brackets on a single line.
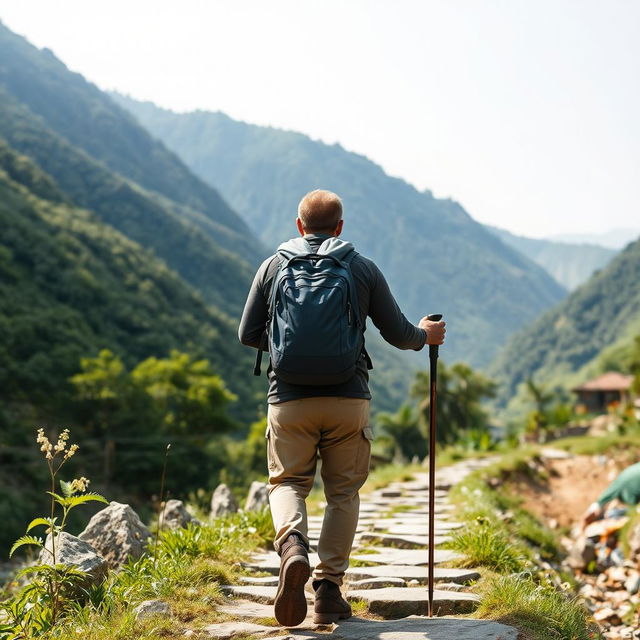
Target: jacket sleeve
[(387, 317), (252, 329)]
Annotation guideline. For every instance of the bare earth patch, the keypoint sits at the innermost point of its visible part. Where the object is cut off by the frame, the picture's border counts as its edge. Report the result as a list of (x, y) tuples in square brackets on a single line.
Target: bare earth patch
[(574, 483)]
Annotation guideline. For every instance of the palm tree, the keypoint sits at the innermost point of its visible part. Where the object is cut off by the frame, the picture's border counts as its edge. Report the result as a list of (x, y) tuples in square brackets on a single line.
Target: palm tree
[(403, 431), (460, 393)]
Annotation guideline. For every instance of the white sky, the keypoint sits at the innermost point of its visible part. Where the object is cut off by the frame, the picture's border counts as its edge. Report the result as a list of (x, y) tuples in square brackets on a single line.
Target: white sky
[(525, 111)]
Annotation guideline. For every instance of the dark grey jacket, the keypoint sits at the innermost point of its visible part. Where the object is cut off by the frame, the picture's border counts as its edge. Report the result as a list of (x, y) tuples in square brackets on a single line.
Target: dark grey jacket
[(375, 301)]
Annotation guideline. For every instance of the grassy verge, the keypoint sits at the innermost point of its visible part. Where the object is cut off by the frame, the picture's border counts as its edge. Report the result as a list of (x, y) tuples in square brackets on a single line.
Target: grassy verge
[(517, 553), (538, 609), (610, 443), (187, 572)]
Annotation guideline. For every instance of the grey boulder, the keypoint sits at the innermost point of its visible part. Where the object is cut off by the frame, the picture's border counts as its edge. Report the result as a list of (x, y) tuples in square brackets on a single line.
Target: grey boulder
[(176, 516), (70, 550), (222, 501), (117, 533), (258, 497), (581, 554), (149, 608)]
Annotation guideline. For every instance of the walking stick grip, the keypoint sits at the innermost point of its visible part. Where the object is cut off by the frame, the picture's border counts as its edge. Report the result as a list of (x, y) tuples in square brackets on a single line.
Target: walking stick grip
[(433, 348)]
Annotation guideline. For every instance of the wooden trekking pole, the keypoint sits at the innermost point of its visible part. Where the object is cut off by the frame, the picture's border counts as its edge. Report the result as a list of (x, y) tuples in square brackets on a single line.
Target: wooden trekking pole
[(433, 376)]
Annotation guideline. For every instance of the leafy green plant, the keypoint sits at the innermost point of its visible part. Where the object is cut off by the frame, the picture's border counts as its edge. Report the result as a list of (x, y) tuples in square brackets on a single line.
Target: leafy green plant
[(39, 605)]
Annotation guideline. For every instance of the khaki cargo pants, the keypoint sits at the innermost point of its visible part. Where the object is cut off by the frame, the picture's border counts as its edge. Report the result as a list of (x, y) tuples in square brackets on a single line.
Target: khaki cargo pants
[(338, 429)]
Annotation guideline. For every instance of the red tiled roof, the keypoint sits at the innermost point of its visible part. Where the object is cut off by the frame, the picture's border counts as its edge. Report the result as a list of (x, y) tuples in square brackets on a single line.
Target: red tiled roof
[(610, 381)]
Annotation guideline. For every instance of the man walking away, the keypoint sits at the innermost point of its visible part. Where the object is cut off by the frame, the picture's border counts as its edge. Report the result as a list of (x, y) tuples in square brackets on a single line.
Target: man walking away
[(315, 404)]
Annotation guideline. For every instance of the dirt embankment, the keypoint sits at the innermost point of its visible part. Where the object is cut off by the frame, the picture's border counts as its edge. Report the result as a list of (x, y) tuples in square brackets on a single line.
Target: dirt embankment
[(573, 484), (559, 497)]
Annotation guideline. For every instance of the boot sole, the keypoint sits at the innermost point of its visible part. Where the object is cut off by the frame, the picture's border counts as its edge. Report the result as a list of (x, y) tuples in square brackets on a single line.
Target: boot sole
[(290, 605), (330, 618)]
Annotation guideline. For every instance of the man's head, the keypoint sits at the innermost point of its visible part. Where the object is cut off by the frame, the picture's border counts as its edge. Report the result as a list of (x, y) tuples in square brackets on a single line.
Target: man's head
[(320, 212)]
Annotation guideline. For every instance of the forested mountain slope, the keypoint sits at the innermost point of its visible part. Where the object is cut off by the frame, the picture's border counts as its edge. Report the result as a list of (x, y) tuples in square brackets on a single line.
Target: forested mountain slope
[(603, 310), (172, 231), (90, 120), (569, 264), (71, 285), (217, 254), (436, 257)]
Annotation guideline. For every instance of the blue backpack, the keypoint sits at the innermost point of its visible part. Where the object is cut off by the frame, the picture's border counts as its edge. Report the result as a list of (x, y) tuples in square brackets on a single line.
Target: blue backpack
[(314, 329)]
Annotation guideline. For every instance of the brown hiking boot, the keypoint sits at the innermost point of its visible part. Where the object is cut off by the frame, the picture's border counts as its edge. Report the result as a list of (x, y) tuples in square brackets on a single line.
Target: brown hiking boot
[(329, 606), (290, 605)]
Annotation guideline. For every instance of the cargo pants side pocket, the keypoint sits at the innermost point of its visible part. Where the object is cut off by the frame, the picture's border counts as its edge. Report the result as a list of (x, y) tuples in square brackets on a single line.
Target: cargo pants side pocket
[(363, 457)]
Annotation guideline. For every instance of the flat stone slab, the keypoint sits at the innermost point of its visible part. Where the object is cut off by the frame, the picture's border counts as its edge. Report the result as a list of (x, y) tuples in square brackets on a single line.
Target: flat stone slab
[(224, 630), (412, 572), (368, 508), (422, 510), (402, 542), (269, 562), (247, 609), (263, 595), (421, 628), (421, 530), (400, 602), (389, 555), (263, 581), (377, 583)]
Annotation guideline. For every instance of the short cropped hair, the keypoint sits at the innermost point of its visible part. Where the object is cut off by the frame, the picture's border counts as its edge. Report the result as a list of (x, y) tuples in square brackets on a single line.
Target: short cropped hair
[(320, 211)]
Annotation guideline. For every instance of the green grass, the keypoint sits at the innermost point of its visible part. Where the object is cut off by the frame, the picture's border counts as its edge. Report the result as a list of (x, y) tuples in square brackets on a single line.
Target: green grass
[(485, 543), (190, 567), (504, 540), (539, 611), (593, 445)]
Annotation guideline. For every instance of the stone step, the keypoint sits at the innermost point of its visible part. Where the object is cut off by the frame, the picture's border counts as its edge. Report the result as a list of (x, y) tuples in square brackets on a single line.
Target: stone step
[(402, 542), (377, 583), (419, 628), (256, 593), (227, 630), (390, 555), (413, 572), (356, 628), (400, 602), (417, 529), (269, 562)]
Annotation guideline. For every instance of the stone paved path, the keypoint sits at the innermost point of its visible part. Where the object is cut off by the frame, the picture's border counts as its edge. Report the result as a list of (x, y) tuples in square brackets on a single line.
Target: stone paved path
[(387, 578)]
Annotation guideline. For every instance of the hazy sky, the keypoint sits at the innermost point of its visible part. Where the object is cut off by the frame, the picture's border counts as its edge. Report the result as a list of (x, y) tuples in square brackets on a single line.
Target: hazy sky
[(525, 111)]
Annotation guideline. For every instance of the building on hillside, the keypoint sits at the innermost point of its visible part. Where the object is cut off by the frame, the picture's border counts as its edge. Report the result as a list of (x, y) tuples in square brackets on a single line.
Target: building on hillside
[(595, 396)]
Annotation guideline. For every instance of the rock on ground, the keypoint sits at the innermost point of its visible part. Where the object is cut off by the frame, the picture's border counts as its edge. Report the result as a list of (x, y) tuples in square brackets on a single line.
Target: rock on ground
[(223, 630), (222, 501), (149, 608), (117, 533), (400, 602), (176, 516), (75, 552), (581, 554), (258, 498), (413, 572), (421, 628)]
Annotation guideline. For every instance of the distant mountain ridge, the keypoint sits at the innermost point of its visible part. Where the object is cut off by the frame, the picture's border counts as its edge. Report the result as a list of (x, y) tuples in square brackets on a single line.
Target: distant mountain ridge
[(612, 239), (435, 256), (597, 315), (570, 264)]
